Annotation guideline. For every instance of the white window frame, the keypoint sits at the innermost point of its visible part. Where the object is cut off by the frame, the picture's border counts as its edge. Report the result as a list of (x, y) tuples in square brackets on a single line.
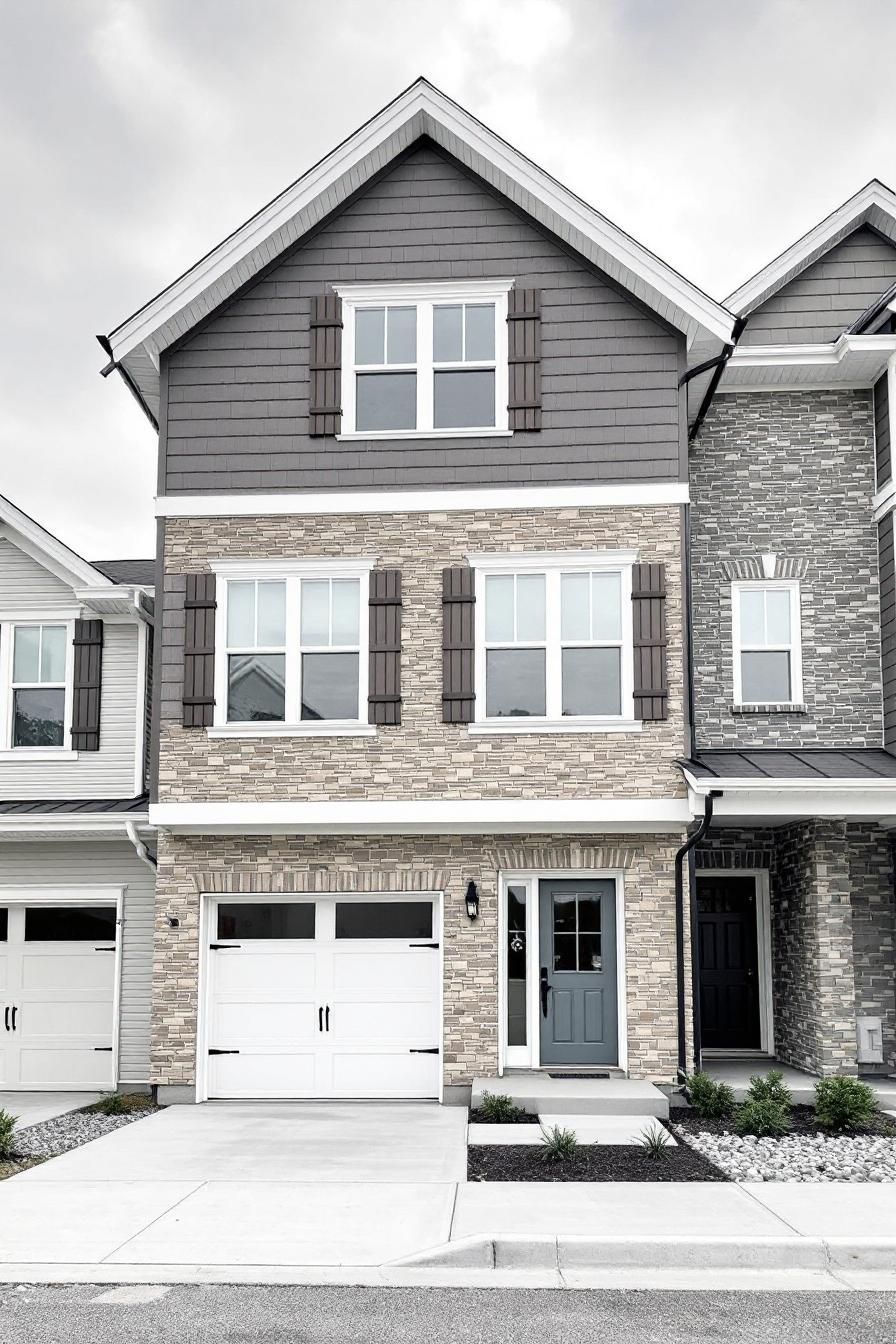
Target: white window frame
[(8, 623), (553, 565), (292, 573), (424, 297), (794, 648)]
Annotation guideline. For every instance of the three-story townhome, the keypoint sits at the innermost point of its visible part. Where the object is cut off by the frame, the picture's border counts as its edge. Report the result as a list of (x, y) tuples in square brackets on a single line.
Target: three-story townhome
[(420, 680), (795, 657), (76, 878)]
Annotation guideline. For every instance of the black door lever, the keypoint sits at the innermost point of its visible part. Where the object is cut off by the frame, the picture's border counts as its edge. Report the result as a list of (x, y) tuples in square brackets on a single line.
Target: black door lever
[(545, 987), (328, 1017), (320, 1019), (14, 1011), (6, 1018)]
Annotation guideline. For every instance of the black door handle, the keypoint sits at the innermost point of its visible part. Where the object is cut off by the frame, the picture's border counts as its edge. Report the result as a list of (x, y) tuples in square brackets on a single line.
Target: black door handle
[(14, 1011), (328, 1017), (545, 987), (320, 1019), (6, 1019)]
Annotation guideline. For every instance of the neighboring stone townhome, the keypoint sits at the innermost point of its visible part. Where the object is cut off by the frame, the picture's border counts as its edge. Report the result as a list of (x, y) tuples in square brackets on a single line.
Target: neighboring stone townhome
[(76, 880), (793, 607)]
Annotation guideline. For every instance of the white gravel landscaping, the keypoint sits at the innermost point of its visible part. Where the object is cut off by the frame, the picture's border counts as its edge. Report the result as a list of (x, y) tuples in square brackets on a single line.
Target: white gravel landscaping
[(799, 1157), (64, 1132)]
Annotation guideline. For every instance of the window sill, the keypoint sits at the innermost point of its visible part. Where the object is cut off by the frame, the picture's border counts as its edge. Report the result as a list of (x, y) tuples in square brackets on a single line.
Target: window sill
[(331, 728), (350, 435), (512, 726), (38, 754), (776, 708)]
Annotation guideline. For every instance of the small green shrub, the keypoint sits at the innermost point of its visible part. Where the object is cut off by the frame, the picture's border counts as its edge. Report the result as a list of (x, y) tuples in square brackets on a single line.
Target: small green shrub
[(558, 1145), (765, 1119), (499, 1110), (770, 1088), (655, 1141), (845, 1104), (113, 1103), (711, 1100), (7, 1139)]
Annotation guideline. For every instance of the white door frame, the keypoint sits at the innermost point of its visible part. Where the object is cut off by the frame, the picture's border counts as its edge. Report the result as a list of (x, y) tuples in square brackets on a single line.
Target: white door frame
[(764, 957), (209, 900), (75, 895), (529, 1056)]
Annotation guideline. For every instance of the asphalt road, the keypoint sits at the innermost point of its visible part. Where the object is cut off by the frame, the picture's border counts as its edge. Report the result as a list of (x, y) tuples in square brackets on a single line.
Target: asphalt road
[(239, 1315)]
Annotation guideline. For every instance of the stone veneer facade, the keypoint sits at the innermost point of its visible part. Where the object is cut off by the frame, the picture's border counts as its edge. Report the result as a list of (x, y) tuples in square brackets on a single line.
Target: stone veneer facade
[(789, 473), (189, 866)]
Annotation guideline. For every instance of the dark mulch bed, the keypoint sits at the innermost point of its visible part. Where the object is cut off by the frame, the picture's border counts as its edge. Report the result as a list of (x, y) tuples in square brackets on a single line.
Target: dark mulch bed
[(803, 1117), (592, 1162), (523, 1118)]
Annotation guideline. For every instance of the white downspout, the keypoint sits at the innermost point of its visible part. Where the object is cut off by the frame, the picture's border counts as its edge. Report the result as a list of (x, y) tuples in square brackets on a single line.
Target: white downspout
[(143, 853)]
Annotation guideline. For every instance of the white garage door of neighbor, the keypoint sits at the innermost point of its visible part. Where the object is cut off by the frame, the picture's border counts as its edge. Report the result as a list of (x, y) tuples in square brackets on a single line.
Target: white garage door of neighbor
[(57, 995), (323, 998)]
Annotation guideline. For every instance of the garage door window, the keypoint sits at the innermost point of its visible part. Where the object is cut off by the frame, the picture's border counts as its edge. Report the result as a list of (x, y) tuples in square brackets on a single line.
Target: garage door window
[(275, 920), (70, 924), (383, 919)]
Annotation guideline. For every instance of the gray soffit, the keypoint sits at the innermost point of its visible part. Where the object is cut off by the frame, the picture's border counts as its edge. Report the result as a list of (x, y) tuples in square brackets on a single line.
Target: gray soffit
[(136, 345), (770, 764), (130, 573)]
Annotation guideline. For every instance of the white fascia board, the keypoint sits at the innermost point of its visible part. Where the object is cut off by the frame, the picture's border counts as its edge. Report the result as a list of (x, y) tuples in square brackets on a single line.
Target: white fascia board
[(779, 805), (703, 784), (48, 550), (421, 108), (435, 817), (424, 501), (74, 823), (824, 354), (875, 204)]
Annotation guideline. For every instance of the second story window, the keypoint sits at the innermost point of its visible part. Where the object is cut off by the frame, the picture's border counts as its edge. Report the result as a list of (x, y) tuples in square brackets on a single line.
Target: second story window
[(37, 704), (766, 639), (292, 649), (554, 639), (424, 360)]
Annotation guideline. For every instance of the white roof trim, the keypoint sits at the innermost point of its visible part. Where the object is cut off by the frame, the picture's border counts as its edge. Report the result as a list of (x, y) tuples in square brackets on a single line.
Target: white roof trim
[(704, 784), (419, 110), (48, 550), (38, 824), (424, 817), (875, 205), (850, 361)]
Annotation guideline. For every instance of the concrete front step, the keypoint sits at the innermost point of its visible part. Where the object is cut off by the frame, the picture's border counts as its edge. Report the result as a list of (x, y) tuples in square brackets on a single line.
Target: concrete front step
[(540, 1093)]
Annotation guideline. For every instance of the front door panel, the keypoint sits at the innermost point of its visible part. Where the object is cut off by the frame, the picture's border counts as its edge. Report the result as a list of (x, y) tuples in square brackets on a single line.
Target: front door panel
[(577, 967)]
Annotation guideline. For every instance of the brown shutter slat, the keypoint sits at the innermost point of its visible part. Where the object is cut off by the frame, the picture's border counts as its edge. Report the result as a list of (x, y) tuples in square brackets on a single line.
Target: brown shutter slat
[(199, 651), (87, 688), (458, 645), (524, 358), (649, 641), (384, 685), (325, 367)]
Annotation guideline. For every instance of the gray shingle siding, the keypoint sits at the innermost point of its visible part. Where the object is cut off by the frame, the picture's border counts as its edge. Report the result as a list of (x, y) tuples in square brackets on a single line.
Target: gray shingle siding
[(819, 304), (882, 429), (790, 473), (236, 393)]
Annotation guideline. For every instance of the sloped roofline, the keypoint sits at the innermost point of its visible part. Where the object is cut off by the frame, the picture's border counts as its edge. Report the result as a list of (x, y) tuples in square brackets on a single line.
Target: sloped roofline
[(136, 344), (874, 204), (47, 549)]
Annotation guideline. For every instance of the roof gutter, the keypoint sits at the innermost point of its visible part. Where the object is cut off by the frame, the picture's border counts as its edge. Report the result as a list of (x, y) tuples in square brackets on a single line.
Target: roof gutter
[(680, 857), (114, 366), (718, 364)]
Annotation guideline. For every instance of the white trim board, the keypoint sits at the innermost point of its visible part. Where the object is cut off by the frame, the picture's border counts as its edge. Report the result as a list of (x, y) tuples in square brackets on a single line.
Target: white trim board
[(426, 817), (523, 497)]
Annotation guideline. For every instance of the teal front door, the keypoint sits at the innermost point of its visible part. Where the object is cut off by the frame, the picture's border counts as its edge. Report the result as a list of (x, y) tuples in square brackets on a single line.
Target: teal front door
[(577, 971)]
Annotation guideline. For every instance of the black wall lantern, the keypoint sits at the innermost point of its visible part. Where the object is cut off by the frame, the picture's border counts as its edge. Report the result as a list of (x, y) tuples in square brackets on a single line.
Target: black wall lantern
[(472, 900)]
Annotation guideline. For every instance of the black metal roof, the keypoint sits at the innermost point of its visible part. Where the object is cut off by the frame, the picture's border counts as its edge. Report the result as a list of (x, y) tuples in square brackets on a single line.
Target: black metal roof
[(811, 763), (42, 806), (142, 572)]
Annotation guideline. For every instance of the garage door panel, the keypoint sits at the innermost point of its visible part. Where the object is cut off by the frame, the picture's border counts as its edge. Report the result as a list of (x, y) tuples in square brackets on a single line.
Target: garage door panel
[(383, 1073), (266, 973), (243, 1022), (51, 971), (356, 971), (281, 1074), (68, 1067), (66, 1020), (413, 1022)]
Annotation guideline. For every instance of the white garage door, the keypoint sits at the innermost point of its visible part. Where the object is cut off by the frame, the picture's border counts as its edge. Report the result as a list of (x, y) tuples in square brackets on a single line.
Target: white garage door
[(323, 998), (57, 994)]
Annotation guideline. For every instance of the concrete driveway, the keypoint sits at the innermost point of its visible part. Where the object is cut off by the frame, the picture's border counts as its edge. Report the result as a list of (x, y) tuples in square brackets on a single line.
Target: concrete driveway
[(244, 1183)]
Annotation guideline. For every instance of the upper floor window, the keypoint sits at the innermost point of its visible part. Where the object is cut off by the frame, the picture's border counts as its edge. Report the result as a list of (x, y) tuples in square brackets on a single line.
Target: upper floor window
[(424, 360), (293, 648), (766, 638), (35, 690), (554, 639)]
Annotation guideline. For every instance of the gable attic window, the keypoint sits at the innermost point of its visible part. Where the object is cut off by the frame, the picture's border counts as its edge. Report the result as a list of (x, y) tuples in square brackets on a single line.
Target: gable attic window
[(424, 361)]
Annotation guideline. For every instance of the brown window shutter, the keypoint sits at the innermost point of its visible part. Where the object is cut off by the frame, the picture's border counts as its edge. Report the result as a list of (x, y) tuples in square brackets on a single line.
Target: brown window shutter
[(649, 641), (88, 684), (458, 644), (199, 650), (524, 358), (325, 409), (384, 685)]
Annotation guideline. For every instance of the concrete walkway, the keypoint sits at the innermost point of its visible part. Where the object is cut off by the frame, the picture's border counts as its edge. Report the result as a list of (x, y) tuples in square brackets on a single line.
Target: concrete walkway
[(32, 1108)]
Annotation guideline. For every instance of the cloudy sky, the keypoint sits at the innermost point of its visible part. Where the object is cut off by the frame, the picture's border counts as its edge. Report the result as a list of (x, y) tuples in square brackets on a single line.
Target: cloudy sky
[(135, 134)]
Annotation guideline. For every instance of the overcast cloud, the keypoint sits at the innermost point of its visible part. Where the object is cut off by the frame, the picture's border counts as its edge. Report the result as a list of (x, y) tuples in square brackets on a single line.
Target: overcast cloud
[(135, 134)]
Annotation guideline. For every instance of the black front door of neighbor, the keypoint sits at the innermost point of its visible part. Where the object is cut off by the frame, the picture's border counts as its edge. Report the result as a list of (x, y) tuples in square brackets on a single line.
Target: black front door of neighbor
[(729, 962)]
